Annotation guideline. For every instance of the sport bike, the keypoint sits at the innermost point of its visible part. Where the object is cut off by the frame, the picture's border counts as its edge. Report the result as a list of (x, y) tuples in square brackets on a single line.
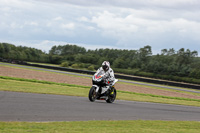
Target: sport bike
[(101, 89)]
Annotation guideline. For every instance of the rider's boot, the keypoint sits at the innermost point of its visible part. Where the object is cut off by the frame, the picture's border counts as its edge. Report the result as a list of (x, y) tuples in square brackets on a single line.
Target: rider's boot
[(111, 91)]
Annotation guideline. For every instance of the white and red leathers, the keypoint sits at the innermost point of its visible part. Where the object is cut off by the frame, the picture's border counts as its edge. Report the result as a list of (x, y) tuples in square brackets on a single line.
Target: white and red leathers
[(109, 75)]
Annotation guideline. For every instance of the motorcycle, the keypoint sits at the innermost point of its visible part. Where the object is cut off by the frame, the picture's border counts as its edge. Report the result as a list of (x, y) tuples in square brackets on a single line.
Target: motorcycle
[(102, 91)]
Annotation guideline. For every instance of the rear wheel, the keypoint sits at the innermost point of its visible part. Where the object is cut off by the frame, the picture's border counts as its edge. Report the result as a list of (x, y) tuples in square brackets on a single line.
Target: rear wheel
[(112, 96), (92, 94)]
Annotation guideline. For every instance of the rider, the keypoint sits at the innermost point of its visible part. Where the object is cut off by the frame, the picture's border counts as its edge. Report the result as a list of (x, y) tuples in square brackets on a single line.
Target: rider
[(109, 73)]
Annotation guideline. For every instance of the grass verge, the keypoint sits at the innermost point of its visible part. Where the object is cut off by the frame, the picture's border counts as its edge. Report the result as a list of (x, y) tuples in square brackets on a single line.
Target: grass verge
[(166, 89), (136, 126), (46, 87), (43, 87)]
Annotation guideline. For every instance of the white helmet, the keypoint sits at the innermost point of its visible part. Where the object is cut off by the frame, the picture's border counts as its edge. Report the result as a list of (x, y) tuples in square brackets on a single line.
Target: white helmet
[(105, 65)]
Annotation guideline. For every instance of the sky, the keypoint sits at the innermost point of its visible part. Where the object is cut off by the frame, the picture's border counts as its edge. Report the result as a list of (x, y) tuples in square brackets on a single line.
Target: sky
[(94, 24)]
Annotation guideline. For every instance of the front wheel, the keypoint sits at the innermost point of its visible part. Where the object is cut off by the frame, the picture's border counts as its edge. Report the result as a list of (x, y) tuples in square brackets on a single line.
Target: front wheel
[(92, 94), (112, 96)]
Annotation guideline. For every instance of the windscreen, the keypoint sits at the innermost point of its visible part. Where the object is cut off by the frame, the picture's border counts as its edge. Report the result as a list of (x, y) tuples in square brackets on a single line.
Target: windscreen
[(101, 73)]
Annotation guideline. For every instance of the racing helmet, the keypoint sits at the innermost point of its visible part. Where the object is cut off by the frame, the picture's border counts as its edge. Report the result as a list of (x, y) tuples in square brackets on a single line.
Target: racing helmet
[(105, 65)]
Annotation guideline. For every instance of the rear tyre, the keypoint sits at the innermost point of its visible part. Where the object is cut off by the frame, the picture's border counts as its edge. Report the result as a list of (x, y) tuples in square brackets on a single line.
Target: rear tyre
[(112, 96), (92, 94)]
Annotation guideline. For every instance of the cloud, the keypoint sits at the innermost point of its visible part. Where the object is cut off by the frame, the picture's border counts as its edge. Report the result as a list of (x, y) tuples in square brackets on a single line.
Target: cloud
[(16, 4), (114, 25), (69, 26), (83, 19), (58, 18), (106, 23), (134, 23), (136, 4)]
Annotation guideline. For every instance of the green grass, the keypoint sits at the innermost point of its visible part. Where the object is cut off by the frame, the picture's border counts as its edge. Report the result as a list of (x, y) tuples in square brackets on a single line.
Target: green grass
[(47, 64), (46, 87), (43, 87), (138, 126)]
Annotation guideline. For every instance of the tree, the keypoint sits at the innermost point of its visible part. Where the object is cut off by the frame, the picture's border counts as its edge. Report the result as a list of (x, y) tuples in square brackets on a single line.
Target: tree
[(185, 57), (1, 50), (119, 63), (144, 53), (56, 59), (164, 52), (55, 50)]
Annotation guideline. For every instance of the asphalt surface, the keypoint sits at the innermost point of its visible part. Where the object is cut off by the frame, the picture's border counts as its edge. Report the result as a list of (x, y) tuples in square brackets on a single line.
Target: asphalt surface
[(84, 75), (15, 106)]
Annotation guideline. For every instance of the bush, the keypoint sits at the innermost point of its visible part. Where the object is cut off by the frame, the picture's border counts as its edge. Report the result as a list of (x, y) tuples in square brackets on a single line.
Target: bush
[(64, 64), (91, 68), (75, 66)]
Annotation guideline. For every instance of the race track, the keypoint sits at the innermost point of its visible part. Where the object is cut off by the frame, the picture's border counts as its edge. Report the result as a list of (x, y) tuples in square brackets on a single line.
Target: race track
[(15, 106)]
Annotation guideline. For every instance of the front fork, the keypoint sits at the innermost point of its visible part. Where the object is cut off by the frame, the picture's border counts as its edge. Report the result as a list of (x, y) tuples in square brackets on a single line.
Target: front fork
[(97, 88)]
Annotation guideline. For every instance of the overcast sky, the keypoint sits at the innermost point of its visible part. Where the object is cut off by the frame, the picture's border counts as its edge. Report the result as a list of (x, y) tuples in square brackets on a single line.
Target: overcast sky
[(120, 24)]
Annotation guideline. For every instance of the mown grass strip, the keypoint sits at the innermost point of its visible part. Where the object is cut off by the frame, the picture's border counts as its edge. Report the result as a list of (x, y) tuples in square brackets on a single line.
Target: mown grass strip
[(159, 96), (42, 88), (136, 126), (41, 81)]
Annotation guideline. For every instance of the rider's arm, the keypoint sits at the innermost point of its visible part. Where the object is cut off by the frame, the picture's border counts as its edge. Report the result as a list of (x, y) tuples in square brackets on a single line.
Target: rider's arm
[(112, 76)]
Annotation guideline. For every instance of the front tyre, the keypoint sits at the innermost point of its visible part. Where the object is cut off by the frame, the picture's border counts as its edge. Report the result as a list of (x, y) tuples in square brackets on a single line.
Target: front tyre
[(112, 96), (92, 94)]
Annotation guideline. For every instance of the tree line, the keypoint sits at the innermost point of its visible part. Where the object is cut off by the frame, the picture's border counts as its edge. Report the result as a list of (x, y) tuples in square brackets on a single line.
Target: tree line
[(181, 65), (22, 53)]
